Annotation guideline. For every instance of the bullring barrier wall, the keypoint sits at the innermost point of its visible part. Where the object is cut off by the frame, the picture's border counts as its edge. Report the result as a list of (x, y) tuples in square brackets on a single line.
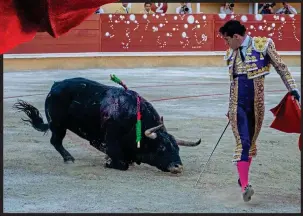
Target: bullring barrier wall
[(138, 40)]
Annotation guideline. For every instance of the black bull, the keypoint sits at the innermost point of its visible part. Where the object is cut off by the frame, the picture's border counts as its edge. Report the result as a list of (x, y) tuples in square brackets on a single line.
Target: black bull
[(106, 116)]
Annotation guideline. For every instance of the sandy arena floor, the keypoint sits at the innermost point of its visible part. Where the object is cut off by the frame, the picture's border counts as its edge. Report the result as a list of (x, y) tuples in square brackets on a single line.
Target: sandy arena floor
[(37, 180)]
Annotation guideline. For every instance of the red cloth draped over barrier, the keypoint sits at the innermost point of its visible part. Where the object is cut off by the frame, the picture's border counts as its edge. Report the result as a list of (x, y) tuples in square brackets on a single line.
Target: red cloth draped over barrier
[(20, 20), (287, 116)]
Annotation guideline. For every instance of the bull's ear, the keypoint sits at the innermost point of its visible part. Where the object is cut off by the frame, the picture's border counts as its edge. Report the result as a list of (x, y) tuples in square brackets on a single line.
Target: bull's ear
[(162, 122), (161, 119)]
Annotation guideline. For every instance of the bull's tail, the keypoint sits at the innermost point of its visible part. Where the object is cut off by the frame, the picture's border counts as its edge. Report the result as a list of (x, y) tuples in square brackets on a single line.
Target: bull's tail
[(35, 118)]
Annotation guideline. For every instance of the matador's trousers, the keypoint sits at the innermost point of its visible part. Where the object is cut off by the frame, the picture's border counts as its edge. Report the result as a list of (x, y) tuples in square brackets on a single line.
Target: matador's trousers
[(246, 113)]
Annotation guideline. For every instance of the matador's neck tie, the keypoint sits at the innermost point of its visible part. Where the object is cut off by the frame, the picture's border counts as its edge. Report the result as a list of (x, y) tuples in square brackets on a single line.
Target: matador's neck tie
[(241, 54)]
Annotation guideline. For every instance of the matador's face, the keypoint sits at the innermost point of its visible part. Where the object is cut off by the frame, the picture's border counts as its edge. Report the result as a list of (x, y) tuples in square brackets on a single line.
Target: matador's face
[(233, 42)]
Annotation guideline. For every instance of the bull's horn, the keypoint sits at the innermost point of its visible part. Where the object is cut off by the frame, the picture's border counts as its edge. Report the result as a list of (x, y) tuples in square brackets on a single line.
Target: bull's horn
[(150, 132), (187, 143)]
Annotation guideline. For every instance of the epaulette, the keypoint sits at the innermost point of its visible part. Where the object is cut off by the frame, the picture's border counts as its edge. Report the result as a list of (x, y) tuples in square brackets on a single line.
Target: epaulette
[(260, 44)]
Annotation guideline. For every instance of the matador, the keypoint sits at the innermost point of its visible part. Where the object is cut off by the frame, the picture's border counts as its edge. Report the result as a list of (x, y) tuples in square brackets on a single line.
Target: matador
[(249, 60)]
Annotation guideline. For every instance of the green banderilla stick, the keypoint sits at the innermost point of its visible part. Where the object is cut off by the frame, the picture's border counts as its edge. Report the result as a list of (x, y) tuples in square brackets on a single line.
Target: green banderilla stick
[(117, 80), (138, 124)]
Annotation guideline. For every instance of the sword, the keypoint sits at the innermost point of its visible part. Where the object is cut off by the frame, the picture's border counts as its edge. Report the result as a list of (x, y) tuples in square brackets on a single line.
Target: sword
[(211, 154)]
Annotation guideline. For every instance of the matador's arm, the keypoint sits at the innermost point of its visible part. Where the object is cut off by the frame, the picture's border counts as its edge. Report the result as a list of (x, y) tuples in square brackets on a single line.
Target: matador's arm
[(282, 69)]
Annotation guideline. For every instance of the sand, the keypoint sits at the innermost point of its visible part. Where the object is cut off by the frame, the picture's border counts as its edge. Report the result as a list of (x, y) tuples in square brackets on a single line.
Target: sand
[(37, 180)]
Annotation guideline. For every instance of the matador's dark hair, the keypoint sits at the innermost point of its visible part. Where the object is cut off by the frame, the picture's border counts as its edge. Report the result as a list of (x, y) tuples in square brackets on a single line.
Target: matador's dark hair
[(232, 27)]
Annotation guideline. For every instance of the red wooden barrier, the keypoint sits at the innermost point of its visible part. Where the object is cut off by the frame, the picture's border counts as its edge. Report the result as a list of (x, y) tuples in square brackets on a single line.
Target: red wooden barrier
[(164, 32), (285, 30), (145, 33), (83, 38)]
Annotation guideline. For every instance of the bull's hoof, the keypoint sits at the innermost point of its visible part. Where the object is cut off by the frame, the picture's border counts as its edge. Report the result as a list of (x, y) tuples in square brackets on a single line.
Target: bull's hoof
[(131, 163), (69, 159), (108, 165), (119, 165)]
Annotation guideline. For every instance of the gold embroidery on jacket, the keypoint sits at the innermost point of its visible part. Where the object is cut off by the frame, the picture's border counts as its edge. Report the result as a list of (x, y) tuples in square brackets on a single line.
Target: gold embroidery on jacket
[(280, 67), (259, 113), (249, 66)]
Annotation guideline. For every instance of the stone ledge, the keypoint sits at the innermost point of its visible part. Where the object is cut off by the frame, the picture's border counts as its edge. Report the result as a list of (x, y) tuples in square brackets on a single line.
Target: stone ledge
[(125, 61)]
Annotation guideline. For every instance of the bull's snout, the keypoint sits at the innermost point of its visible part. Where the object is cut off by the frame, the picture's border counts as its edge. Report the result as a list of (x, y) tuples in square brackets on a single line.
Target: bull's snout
[(175, 168)]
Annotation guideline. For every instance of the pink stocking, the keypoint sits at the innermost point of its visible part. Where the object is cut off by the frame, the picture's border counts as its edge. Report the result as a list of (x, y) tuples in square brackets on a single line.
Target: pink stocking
[(243, 169)]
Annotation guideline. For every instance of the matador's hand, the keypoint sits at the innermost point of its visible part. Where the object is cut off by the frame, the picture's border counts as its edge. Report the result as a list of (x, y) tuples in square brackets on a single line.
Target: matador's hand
[(227, 115), (295, 93)]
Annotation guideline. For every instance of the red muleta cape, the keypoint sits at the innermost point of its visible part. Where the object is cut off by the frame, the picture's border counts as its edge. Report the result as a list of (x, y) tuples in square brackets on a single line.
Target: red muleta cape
[(288, 116), (20, 20)]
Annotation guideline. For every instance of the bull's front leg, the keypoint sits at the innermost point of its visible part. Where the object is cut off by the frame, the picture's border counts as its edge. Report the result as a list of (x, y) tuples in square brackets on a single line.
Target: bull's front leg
[(116, 164), (116, 158)]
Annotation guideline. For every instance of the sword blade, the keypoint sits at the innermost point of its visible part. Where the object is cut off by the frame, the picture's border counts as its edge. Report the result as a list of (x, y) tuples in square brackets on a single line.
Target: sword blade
[(211, 154)]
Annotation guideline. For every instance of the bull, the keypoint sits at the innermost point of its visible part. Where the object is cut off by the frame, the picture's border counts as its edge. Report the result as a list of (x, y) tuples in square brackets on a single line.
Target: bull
[(106, 117)]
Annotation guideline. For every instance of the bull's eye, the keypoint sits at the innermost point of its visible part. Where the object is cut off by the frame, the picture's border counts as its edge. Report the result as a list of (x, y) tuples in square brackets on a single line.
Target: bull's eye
[(162, 148)]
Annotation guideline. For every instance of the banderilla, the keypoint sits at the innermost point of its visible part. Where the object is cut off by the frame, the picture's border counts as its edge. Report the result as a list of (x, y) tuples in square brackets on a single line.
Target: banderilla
[(211, 154)]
